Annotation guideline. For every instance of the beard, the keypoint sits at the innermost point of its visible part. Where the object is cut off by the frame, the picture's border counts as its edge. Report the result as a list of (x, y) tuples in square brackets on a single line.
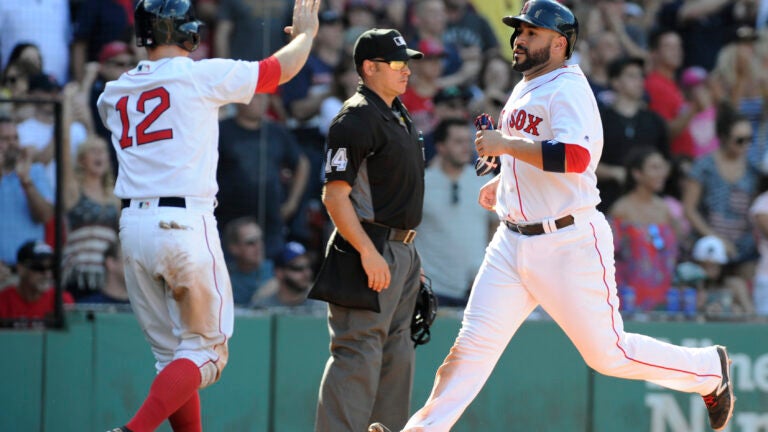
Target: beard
[(532, 59), (8, 160)]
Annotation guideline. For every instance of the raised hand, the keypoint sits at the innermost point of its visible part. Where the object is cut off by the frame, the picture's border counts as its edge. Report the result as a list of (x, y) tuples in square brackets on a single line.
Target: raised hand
[(304, 18)]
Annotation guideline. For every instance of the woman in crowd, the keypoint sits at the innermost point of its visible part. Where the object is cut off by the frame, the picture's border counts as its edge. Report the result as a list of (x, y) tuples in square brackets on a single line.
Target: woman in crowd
[(645, 233), (91, 208), (720, 187)]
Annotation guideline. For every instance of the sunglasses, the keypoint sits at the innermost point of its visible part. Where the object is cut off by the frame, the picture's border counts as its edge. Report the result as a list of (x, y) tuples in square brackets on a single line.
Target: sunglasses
[(742, 140), (454, 193), (656, 239), (395, 65), (298, 267), (39, 267)]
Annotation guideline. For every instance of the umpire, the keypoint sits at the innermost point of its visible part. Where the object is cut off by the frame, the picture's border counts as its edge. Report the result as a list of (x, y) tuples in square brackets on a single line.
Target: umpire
[(373, 192)]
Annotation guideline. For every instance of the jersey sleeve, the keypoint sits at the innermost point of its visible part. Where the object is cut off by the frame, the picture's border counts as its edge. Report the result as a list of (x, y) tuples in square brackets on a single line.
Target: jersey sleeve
[(350, 141), (573, 112), (224, 81), (269, 75)]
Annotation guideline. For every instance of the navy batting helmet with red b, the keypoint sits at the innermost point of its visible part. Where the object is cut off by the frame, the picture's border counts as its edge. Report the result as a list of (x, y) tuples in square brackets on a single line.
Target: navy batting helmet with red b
[(167, 22), (547, 14)]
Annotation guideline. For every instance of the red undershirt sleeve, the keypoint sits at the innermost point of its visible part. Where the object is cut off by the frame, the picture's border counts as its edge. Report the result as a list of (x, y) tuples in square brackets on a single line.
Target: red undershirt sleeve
[(269, 75), (576, 158)]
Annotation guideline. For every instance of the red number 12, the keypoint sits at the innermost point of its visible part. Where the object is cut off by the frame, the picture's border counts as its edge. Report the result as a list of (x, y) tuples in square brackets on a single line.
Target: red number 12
[(142, 136)]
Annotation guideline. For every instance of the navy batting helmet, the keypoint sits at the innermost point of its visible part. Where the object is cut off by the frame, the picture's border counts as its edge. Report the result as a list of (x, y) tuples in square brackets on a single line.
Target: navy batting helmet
[(547, 14), (167, 22)]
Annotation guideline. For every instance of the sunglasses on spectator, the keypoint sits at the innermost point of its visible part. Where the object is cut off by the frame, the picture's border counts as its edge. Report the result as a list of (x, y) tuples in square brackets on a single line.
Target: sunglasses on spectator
[(298, 267), (742, 140), (395, 65), (39, 267), (251, 241)]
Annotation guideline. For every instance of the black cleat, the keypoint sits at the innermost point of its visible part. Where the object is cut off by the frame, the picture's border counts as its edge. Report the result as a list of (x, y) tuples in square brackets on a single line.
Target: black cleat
[(378, 427), (720, 402)]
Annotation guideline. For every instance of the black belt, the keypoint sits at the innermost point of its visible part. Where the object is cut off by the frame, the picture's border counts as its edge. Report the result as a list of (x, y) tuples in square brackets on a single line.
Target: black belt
[(538, 228), (162, 202), (405, 236), (393, 234)]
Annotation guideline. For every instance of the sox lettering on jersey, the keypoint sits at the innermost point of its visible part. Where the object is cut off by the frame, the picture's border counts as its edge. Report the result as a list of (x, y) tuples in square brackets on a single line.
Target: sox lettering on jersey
[(525, 122)]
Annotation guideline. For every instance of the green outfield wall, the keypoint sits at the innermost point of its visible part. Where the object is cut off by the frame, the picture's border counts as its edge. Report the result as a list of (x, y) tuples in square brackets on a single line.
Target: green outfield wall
[(92, 376)]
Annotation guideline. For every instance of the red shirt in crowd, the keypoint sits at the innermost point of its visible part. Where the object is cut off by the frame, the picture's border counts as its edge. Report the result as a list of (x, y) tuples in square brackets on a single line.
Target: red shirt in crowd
[(667, 100), (13, 306)]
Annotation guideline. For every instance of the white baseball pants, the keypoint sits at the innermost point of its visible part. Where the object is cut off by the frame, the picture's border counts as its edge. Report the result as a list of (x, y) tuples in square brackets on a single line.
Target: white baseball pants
[(570, 273)]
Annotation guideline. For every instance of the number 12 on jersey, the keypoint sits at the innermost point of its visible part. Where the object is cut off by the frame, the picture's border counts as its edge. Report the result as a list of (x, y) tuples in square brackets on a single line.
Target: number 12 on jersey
[(140, 132)]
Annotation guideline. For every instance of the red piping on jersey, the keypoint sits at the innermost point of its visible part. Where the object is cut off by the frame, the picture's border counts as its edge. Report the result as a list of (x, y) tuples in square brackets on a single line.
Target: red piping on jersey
[(215, 282), (547, 82), (613, 321), (517, 188)]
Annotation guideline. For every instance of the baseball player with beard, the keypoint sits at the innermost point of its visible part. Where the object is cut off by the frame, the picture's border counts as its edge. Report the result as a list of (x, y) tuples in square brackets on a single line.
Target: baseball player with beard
[(553, 248), (163, 116)]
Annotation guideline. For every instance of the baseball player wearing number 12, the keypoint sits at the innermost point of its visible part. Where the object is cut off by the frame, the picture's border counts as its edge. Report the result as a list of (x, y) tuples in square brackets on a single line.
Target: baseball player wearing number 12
[(163, 116), (553, 248)]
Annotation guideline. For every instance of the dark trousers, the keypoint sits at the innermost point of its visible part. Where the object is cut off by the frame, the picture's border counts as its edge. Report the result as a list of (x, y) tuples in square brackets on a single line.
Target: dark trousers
[(369, 376)]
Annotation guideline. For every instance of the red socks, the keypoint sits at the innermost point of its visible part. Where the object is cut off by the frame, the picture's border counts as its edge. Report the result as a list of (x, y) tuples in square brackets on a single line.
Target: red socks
[(173, 393), (187, 418)]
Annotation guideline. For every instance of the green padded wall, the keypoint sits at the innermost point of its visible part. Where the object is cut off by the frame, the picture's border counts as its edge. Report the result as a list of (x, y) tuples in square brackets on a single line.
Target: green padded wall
[(21, 380), (92, 376)]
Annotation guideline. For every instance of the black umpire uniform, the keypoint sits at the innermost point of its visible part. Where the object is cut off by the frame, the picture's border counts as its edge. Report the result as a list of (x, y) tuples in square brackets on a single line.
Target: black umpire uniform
[(376, 150)]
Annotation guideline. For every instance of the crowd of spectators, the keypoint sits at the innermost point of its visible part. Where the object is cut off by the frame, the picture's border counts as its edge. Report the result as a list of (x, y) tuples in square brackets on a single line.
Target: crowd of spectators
[(681, 86)]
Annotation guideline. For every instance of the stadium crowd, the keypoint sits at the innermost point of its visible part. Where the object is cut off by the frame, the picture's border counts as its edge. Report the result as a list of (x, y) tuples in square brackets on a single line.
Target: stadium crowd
[(682, 90)]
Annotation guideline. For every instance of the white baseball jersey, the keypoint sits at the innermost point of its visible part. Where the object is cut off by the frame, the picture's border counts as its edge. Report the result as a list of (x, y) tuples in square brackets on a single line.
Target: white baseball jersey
[(569, 272), (529, 194), (148, 109)]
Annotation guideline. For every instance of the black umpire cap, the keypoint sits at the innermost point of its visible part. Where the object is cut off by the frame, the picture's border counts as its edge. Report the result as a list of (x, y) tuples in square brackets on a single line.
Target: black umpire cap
[(385, 44)]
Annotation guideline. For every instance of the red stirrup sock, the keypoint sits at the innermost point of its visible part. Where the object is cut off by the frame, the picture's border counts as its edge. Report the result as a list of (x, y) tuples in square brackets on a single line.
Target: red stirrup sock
[(187, 418), (171, 389)]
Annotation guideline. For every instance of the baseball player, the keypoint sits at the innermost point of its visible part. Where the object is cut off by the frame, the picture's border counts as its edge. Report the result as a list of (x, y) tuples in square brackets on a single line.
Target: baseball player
[(553, 248), (163, 116)]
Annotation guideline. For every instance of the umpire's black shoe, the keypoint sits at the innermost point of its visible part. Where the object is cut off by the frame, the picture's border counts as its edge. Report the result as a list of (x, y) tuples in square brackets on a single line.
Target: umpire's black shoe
[(720, 402), (378, 427)]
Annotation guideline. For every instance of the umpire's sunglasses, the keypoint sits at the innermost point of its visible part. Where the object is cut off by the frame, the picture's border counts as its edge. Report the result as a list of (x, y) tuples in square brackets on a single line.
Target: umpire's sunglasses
[(395, 65)]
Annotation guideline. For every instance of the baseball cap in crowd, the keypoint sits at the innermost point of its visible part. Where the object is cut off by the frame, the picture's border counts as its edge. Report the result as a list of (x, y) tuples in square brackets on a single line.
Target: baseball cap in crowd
[(431, 48), (329, 16), (452, 93), (35, 255), (693, 76), (616, 67), (710, 249), (291, 251), (385, 44), (43, 82), (113, 49), (633, 10)]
